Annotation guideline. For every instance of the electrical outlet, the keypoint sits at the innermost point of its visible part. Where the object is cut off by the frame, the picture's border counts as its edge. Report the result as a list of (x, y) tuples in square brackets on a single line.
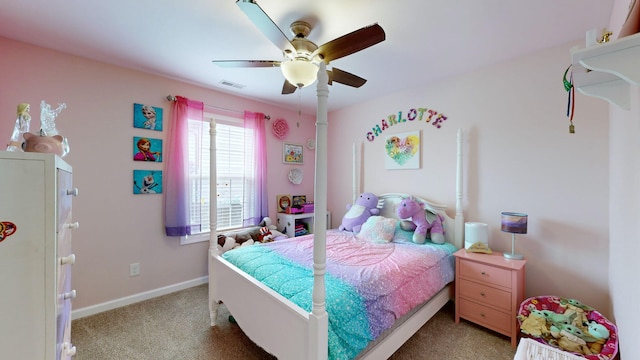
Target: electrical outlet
[(134, 269)]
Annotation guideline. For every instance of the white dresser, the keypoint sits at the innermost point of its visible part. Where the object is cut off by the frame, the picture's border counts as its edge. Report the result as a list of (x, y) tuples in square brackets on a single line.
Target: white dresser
[(36, 192)]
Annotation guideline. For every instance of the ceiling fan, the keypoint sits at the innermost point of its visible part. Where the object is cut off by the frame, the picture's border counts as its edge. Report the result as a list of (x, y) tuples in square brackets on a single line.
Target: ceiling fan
[(301, 55)]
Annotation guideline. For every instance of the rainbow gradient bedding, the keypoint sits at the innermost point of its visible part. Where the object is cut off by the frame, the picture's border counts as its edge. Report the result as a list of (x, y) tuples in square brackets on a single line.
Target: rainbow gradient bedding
[(368, 285)]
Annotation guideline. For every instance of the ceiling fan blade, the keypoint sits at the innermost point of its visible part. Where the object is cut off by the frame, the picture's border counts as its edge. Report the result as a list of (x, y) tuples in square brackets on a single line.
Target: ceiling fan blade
[(346, 78), (263, 22), (288, 88), (351, 43), (247, 63)]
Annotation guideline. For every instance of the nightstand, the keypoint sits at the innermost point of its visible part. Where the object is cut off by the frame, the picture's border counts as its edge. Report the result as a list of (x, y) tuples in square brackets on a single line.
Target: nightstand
[(489, 290), (286, 223)]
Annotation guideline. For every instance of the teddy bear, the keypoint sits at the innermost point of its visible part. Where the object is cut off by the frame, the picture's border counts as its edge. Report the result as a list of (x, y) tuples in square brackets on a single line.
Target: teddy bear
[(421, 221), (364, 207)]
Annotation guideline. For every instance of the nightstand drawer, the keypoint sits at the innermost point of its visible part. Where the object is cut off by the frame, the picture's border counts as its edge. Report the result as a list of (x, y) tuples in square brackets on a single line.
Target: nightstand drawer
[(485, 273), (483, 315), (485, 294)]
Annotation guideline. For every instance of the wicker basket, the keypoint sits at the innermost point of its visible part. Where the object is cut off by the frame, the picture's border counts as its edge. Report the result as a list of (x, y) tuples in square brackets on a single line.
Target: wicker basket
[(554, 303)]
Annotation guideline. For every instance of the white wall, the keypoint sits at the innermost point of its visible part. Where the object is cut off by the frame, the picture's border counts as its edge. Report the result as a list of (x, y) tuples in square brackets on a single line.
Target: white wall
[(116, 227), (519, 156), (624, 207)]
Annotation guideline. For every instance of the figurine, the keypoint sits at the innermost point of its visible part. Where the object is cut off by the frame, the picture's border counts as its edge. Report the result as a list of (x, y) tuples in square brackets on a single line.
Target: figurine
[(22, 126), (47, 123)]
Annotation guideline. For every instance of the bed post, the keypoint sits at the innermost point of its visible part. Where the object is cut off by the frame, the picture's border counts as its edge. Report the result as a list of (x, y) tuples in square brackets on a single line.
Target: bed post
[(213, 221), (318, 318), (459, 220)]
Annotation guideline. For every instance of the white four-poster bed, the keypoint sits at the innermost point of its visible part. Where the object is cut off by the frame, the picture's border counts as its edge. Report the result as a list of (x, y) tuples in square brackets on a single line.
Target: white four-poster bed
[(277, 324)]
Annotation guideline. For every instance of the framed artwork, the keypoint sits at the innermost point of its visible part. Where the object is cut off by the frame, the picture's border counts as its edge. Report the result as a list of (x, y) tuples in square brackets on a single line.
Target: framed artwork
[(402, 151), (283, 201), (299, 200), (147, 182), (292, 153), (147, 117), (147, 149)]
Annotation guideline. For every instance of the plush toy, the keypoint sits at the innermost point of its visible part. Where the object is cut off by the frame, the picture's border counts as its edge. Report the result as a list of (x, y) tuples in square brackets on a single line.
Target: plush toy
[(421, 221), (573, 306), (571, 338), (265, 235), (535, 324), (365, 206), (227, 242), (266, 222)]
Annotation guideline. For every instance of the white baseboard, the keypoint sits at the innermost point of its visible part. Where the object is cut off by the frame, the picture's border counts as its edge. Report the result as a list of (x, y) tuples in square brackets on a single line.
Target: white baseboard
[(132, 299)]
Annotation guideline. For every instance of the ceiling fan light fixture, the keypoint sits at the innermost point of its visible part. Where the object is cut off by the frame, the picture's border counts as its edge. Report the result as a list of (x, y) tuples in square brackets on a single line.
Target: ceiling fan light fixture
[(299, 72)]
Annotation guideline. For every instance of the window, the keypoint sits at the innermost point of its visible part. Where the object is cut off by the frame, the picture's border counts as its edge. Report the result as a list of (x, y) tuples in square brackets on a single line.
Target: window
[(234, 174)]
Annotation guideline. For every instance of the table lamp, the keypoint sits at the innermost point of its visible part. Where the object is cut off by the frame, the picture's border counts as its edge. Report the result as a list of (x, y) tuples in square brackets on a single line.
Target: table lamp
[(514, 223)]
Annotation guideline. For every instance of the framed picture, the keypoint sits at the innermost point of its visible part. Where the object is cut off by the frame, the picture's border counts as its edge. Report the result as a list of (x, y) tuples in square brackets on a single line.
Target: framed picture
[(147, 117), (147, 182), (147, 149), (402, 151), (283, 201), (299, 200), (292, 153)]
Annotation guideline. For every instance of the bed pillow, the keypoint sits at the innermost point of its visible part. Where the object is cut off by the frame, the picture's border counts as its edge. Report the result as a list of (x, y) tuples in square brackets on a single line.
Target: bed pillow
[(378, 229)]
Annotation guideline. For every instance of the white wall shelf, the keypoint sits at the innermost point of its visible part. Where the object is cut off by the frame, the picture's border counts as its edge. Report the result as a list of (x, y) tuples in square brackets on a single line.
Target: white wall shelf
[(607, 71)]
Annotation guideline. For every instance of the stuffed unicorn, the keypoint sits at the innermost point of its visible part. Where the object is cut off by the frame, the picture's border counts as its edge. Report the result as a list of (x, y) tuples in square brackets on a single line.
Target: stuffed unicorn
[(412, 209)]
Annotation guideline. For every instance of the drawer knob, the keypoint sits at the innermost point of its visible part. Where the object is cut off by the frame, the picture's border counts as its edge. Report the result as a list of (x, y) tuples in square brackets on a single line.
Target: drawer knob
[(483, 315), (483, 294), (74, 225), (73, 191), (71, 259), (483, 273), (69, 350), (69, 295)]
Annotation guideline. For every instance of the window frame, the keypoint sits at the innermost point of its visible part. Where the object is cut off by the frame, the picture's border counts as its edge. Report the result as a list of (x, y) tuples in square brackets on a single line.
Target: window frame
[(213, 120)]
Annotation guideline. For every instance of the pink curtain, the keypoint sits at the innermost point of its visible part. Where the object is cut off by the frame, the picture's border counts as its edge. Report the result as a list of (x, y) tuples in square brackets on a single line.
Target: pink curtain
[(176, 177), (256, 195)]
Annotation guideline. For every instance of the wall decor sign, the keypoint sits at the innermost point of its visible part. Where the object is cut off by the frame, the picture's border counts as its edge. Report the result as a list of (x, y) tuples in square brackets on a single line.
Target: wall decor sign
[(292, 153), (147, 149), (147, 182), (402, 151), (7, 228), (429, 116), (147, 117)]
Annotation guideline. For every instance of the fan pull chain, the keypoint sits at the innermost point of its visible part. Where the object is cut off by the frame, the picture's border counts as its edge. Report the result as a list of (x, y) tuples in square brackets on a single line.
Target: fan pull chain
[(571, 100)]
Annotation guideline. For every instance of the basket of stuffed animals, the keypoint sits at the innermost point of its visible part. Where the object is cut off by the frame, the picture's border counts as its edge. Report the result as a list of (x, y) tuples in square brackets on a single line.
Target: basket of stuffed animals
[(569, 325)]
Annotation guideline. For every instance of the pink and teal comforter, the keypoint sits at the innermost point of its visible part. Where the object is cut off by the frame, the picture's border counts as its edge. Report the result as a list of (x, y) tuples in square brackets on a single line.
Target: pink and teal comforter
[(369, 285)]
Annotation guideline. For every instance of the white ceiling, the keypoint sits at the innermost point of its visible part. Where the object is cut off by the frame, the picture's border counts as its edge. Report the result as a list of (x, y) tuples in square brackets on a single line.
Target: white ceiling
[(425, 40)]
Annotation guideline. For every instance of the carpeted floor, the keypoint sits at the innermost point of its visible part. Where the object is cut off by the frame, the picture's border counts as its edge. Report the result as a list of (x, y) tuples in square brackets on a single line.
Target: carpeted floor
[(176, 327)]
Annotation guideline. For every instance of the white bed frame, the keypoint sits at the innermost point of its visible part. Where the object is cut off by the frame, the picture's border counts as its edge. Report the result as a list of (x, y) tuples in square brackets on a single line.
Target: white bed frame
[(279, 326)]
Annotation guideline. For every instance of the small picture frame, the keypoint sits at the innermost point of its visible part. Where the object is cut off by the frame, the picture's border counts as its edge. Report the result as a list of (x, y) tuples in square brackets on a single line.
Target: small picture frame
[(299, 200), (147, 149), (147, 117), (283, 201), (292, 153), (147, 182)]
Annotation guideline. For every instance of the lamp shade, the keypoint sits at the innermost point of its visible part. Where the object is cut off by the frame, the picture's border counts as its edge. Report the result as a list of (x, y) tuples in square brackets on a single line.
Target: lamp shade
[(299, 72), (515, 223), (474, 232)]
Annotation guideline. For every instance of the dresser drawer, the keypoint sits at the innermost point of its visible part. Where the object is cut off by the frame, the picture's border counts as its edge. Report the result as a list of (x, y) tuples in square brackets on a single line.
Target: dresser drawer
[(485, 316), (485, 273), (485, 294)]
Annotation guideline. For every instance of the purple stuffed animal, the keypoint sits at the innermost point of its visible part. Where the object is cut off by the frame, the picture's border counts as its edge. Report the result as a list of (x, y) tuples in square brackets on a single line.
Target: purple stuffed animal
[(410, 208), (365, 206)]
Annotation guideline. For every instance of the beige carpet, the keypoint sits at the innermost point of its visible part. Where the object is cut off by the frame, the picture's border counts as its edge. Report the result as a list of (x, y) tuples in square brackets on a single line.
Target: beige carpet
[(176, 327)]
